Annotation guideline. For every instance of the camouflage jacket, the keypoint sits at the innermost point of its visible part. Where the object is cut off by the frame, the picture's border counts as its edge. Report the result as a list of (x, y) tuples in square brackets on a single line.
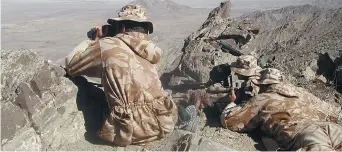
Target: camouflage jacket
[(140, 109), (281, 112)]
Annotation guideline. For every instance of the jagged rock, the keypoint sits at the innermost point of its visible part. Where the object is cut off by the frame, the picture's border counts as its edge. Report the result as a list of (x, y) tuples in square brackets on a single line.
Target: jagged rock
[(322, 79), (201, 53), (18, 66), (39, 108), (27, 99), (41, 82), (26, 140), (12, 120), (297, 37), (309, 74)]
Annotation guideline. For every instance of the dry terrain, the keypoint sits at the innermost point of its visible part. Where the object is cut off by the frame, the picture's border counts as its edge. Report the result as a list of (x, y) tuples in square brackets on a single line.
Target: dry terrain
[(46, 111)]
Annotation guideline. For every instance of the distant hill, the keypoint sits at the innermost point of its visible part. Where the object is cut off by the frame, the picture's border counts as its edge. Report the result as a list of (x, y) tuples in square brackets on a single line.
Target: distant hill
[(157, 9)]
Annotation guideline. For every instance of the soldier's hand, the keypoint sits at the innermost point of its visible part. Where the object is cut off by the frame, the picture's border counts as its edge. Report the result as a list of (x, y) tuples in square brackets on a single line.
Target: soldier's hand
[(99, 32)]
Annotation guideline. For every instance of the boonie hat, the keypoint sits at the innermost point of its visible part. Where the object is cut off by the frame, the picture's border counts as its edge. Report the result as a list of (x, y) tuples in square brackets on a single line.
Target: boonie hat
[(135, 13)]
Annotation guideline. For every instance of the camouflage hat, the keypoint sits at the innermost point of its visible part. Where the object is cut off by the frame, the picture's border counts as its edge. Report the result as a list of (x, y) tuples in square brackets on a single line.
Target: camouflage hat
[(246, 65), (269, 76), (135, 13)]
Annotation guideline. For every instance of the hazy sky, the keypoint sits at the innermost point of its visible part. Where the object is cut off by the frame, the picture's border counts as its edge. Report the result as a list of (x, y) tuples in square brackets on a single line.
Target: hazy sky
[(193, 3), (17, 10)]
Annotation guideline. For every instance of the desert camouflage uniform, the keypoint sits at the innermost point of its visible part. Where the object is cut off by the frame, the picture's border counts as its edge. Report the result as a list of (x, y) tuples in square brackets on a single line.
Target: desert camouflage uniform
[(288, 115), (140, 109), (246, 65)]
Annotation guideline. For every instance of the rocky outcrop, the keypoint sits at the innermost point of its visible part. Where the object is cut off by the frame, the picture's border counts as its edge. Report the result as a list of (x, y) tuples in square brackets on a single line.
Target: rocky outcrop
[(302, 41), (203, 50), (39, 108)]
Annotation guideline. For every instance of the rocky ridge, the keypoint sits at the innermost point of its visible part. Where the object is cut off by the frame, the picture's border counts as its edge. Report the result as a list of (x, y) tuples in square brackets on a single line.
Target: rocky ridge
[(43, 110), (305, 43), (201, 53), (302, 41), (37, 109)]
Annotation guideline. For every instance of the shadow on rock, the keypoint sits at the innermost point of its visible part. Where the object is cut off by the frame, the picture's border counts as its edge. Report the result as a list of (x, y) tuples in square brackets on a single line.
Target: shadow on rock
[(220, 73), (338, 74), (325, 65), (165, 78), (92, 102), (213, 117), (213, 113)]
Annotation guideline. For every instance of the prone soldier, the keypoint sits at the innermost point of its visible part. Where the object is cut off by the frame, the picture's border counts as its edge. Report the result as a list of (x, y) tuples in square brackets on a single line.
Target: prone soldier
[(286, 114)]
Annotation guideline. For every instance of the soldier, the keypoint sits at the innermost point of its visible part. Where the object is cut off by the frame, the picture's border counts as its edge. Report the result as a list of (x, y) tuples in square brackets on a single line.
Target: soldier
[(246, 69), (286, 114), (141, 111)]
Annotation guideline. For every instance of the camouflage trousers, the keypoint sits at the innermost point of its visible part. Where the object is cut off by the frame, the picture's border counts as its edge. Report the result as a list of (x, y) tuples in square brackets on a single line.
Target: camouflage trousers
[(325, 136)]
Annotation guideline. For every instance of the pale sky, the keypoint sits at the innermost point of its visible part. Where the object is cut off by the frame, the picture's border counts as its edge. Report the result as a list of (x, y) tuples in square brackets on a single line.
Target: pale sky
[(193, 3)]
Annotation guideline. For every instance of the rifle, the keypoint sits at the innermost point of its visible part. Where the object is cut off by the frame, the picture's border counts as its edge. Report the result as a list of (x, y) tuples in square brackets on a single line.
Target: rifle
[(230, 90), (230, 49)]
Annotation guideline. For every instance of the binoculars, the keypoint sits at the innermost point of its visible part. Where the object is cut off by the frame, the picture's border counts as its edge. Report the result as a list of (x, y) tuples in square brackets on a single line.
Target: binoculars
[(107, 31)]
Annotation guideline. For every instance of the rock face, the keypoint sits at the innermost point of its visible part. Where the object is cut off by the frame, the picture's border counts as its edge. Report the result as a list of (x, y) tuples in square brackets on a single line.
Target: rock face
[(38, 104), (302, 41), (202, 50), (43, 110)]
